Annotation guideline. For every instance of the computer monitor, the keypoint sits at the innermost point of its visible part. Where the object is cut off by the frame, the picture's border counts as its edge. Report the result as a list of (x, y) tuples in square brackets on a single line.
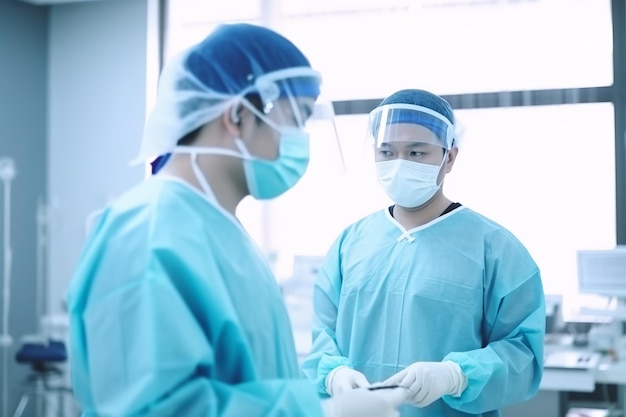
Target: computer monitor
[(602, 272)]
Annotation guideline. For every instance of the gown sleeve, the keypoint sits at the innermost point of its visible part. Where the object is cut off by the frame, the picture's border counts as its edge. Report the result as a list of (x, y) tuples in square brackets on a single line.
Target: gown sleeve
[(510, 366), (325, 354)]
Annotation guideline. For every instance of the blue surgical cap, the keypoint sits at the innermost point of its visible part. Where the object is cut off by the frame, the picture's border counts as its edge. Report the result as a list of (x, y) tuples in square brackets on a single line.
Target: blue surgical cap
[(230, 58)]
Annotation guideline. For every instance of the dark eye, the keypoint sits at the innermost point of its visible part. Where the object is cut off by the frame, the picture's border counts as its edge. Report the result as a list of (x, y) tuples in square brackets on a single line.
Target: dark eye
[(416, 153), (386, 153)]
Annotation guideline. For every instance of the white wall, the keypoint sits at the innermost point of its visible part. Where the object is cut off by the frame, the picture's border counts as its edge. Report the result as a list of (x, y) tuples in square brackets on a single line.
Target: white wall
[(97, 103)]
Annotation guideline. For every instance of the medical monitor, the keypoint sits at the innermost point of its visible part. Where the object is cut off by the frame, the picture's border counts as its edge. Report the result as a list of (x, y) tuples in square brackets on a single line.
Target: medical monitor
[(602, 272)]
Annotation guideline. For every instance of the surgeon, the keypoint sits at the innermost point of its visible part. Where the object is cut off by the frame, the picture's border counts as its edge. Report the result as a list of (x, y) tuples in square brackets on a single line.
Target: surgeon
[(427, 293), (173, 309)]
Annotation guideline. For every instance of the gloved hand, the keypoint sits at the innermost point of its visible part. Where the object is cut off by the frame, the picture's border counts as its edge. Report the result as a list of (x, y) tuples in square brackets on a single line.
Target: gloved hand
[(362, 402), (426, 382), (343, 378)]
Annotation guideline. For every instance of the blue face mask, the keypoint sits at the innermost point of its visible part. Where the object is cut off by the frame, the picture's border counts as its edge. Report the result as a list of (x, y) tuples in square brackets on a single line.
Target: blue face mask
[(269, 179), (265, 178)]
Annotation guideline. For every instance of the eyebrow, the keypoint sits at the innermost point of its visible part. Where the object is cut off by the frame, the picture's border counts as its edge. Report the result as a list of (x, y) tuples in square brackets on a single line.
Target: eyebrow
[(411, 145)]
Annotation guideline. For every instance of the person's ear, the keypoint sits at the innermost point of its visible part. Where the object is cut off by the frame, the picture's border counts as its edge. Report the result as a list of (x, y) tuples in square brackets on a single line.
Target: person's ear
[(450, 158), (231, 119)]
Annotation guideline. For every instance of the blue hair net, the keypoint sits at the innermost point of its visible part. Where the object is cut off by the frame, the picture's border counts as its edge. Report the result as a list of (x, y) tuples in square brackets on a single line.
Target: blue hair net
[(235, 61), (230, 59)]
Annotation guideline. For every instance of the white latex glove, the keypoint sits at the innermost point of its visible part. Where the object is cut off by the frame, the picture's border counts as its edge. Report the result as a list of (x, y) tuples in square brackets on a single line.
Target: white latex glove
[(426, 382), (362, 402), (343, 378)]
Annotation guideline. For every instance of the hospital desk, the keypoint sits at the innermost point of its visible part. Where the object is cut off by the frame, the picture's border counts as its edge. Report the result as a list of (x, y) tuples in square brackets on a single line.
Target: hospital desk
[(559, 382)]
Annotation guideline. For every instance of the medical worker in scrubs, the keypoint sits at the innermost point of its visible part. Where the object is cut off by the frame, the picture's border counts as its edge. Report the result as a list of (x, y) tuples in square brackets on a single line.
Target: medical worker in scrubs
[(174, 310), (427, 293)]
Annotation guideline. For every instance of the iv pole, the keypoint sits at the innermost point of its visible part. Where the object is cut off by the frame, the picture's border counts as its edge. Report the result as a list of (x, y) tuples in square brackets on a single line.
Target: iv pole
[(42, 240), (7, 173)]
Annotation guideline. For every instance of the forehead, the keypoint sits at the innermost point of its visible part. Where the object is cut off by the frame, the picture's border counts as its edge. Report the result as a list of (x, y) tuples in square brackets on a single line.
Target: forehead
[(407, 133)]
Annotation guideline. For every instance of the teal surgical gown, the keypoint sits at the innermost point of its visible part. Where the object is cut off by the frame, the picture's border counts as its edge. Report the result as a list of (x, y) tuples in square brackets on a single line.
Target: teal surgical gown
[(175, 312), (460, 288)]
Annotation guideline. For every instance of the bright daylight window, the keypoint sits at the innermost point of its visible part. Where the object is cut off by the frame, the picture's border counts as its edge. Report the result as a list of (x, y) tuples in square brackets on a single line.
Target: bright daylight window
[(545, 173), (452, 46), (190, 21)]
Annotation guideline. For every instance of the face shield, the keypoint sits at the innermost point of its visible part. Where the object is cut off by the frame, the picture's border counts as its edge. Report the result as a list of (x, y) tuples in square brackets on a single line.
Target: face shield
[(409, 132), (289, 100)]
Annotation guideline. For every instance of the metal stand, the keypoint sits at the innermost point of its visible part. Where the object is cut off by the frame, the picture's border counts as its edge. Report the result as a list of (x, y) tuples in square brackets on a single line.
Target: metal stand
[(42, 389)]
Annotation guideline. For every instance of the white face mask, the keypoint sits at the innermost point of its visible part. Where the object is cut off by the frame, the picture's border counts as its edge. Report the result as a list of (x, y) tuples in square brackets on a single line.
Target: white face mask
[(409, 184)]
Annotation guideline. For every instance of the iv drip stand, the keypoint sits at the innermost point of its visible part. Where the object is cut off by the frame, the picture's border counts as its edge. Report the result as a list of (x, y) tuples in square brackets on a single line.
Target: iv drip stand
[(7, 173)]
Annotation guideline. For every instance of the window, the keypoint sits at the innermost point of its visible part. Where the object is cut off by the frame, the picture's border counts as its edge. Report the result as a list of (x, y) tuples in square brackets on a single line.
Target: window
[(190, 21), (449, 47), (453, 47)]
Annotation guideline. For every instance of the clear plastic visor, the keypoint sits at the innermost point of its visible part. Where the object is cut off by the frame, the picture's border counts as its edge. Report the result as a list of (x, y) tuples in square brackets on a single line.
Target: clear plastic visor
[(298, 103), (408, 123), (286, 98), (291, 98)]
